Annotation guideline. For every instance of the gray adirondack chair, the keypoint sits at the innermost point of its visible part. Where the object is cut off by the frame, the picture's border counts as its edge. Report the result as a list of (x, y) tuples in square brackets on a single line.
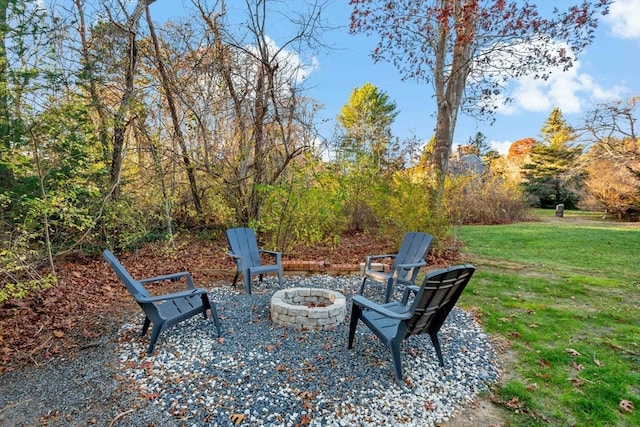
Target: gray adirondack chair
[(245, 252), (396, 321), (164, 311), (406, 263)]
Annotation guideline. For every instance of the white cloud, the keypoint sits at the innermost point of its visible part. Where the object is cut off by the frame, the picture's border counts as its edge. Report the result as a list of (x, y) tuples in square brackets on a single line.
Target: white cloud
[(501, 147), (293, 68), (624, 19), (571, 91)]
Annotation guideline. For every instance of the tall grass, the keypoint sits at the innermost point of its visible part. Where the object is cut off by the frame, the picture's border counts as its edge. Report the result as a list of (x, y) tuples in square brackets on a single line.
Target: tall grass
[(561, 297)]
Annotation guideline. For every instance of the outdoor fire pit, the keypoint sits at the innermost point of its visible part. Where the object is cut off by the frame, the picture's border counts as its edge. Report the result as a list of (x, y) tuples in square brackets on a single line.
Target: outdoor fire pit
[(308, 308)]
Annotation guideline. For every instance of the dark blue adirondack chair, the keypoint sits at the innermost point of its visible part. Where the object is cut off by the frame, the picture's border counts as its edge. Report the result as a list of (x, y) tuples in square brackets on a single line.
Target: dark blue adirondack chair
[(164, 311), (245, 252), (406, 263), (396, 321)]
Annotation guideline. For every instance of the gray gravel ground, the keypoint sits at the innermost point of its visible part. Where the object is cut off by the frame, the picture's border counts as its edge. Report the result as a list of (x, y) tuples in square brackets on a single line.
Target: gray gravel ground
[(81, 391), (257, 374)]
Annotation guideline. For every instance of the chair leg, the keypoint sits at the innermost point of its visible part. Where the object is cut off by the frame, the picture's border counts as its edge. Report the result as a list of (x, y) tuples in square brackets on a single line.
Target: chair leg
[(396, 357), (364, 279), (145, 326), (247, 283), (387, 296), (155, 333), (436, 345), (280, 278), (356, 311), (235, 278), (206, 305), (216, 319)]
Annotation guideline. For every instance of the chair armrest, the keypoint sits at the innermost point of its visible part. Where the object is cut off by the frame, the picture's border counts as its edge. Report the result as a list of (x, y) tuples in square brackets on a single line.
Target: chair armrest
[(381, 256), (361, 301), (276, 255), (413, 265), (174, 277), (407, 291), (369, 258), (143, 299)]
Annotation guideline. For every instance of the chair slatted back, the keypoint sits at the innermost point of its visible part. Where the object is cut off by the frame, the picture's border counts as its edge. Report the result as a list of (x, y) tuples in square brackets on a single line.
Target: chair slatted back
[(243, 242), (438, 294), (133, 286), (413, 249)]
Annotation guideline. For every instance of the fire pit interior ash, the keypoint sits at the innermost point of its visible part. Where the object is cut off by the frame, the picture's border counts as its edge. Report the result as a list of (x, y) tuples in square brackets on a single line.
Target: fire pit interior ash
[(308, 308)]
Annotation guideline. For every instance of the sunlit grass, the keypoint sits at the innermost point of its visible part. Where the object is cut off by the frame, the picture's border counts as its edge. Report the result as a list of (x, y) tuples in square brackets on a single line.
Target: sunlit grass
[(563, 297)]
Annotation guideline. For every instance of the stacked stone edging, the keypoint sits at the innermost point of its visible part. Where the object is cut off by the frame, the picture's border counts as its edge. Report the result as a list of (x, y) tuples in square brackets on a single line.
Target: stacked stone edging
[(294, 267), (294, 308)]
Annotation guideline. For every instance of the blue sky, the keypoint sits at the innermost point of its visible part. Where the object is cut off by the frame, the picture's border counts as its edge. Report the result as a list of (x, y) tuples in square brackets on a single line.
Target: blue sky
[(608, 70)]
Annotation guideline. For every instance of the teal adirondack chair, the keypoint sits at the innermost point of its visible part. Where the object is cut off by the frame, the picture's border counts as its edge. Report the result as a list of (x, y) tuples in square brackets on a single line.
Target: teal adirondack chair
[(164, 311), (396, 321), (406, 263), (245, 253)]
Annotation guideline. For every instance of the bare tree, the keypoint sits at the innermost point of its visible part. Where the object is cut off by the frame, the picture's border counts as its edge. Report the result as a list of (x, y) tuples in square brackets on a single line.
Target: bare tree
[(263, 83), (120, 120), (613, 161), (469, 49), (167, 89)]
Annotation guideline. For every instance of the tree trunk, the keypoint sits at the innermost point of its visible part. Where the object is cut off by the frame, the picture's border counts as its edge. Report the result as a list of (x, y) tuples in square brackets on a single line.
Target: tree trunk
[(45, 215), (89, 68), (166, 86), (5, 172), (121, 124), (450, 88)]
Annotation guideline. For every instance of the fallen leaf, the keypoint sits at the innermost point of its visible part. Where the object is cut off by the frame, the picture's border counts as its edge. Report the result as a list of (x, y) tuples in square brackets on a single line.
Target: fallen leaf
[(305, 420), (237, 418), (578, 366), (306, 395), (514, 403), (626, 405), (577, 382), (545, 376), (532, 387), (543, 363), (58, 334), (572, 352), (147, 366)]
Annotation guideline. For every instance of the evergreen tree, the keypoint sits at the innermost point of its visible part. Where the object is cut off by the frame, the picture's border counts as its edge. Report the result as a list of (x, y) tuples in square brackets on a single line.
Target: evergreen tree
[(365, 153), (552, 175), (366, 120), (480, 145)]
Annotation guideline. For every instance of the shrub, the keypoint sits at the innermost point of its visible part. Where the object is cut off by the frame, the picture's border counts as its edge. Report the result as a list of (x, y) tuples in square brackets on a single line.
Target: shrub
[(486, 199)]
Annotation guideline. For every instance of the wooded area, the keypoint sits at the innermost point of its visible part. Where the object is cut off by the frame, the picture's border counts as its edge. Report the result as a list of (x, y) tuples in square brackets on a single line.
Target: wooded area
[(117, 130)]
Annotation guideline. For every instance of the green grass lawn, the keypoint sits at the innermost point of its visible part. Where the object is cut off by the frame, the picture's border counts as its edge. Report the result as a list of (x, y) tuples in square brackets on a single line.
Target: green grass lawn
[(562, 297)]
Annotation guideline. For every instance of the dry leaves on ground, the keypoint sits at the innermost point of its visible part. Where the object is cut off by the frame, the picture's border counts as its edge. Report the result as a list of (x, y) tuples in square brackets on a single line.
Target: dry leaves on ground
[(88, 303)]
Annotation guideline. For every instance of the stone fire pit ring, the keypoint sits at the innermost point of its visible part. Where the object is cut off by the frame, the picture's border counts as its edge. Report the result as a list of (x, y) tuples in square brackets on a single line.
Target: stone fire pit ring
[(308, 308)]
